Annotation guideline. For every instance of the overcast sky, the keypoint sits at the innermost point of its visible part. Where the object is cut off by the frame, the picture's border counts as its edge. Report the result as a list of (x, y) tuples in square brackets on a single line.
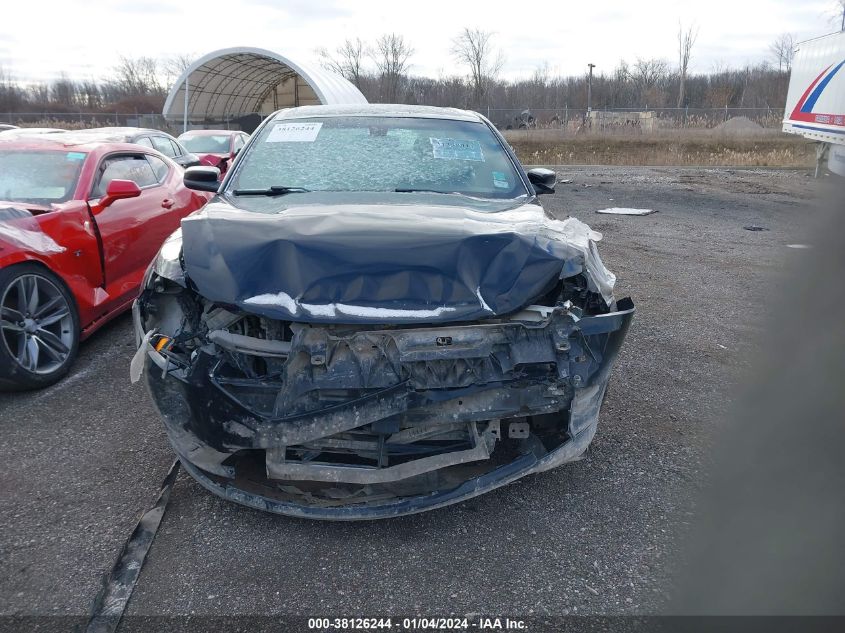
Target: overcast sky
[(39, 40)]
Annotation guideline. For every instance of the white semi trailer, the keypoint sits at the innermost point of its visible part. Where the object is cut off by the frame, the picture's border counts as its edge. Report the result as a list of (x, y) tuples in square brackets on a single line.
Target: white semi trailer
[(815, 103)]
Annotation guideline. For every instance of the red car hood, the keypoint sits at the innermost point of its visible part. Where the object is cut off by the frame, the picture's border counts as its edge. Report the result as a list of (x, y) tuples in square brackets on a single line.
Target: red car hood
[(213, 159), (35, 209), (20, 230)]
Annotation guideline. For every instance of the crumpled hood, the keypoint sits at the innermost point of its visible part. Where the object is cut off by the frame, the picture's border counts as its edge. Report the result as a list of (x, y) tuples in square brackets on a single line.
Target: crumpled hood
[(385, 263), (19, 229)]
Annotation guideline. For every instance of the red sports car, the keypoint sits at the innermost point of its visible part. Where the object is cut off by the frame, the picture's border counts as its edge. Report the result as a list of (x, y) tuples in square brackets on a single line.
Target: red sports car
[(80, 221), (216, 148)]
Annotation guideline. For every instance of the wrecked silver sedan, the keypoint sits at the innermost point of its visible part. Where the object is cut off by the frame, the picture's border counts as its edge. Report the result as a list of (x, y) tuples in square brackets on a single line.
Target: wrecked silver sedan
[(376, 317)]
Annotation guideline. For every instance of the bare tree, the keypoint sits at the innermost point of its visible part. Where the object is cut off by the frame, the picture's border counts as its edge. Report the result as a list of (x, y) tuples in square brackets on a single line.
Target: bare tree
[(686, 40), (138, 76), (645, 83), (5, 79), (474, 49), (538, 86), (541, 74), (348, 60), (783, 50), (619, 85), (647, 73), (63, 91), (40, 94), (89, 94), (175, 65), (329, 61), (11, 97), (725, 85), (391, 56)]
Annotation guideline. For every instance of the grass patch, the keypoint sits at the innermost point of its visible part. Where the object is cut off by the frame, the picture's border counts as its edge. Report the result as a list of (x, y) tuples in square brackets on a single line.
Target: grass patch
[(767, 148)]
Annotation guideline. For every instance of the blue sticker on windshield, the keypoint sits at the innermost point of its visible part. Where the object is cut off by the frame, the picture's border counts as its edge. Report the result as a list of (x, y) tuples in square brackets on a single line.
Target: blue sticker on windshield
[(500, 180), (456, 149), (75, 156)]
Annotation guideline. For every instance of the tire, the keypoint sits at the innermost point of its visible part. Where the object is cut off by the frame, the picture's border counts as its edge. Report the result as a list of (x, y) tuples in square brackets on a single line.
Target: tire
[(39, 328)]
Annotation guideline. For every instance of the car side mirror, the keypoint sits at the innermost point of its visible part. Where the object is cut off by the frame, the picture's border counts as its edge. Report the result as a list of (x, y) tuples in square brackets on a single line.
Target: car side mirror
[(117, 190), (202, 178), (543, 180)]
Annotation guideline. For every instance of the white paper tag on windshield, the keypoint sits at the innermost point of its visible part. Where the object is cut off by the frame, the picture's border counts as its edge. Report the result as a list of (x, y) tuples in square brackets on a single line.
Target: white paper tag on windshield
[(456, 149), (294, 133)]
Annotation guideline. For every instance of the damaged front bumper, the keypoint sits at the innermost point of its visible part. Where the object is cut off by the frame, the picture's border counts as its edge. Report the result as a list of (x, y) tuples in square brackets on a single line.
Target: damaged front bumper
[(343, 422)]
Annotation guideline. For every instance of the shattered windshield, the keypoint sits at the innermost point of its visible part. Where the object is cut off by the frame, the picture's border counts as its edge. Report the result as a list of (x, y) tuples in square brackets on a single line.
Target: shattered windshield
[(206, 144), (39, 177), (379, 154)]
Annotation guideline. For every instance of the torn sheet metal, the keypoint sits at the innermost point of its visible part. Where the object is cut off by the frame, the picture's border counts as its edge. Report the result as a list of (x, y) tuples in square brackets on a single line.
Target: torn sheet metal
[(374, 264), (584, 239), (365, 423), (625, 211), (18, 226), (136, 365)]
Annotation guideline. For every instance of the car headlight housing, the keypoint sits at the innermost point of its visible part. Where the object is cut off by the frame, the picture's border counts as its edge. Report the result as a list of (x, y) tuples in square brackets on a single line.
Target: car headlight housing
[(168, 261)]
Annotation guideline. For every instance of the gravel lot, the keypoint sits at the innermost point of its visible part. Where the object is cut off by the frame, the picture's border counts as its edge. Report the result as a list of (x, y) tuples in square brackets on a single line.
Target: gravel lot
[(83, 459)]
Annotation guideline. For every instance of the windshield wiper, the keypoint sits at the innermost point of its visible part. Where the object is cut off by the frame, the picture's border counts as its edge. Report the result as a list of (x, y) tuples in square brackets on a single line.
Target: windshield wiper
[(448, 193), (275, 190)]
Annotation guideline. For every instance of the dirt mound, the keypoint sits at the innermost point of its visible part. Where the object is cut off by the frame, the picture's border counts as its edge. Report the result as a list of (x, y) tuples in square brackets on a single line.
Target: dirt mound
[(738, 125)]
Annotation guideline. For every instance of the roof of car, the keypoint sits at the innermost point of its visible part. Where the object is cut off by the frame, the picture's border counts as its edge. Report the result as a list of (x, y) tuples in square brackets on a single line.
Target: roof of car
[(18, 132), (378, 109), (119, 130), (209, 132), (118, 133), (63, 140)]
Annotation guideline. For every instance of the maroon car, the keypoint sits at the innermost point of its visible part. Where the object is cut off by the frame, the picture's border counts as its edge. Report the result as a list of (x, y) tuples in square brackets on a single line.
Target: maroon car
[(80, 221), (216, 148)]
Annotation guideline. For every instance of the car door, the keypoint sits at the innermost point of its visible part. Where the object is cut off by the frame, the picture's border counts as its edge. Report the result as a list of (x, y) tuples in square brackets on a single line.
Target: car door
[(174, 151), (166, 147), (181, 200), (131, 230), (145, 141), (185, 158), (238, 143)]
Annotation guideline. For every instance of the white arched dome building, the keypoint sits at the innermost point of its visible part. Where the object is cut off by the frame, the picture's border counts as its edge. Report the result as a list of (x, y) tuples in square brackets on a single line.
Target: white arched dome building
[(244, 85)]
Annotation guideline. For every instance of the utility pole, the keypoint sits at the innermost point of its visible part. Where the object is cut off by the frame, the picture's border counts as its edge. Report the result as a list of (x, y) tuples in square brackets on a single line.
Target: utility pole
[(590, 89), (187, 97)]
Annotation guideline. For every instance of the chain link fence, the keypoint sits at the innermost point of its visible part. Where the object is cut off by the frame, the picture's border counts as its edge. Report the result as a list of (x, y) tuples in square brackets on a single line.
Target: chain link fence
[(643, 119), (81, 120)]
